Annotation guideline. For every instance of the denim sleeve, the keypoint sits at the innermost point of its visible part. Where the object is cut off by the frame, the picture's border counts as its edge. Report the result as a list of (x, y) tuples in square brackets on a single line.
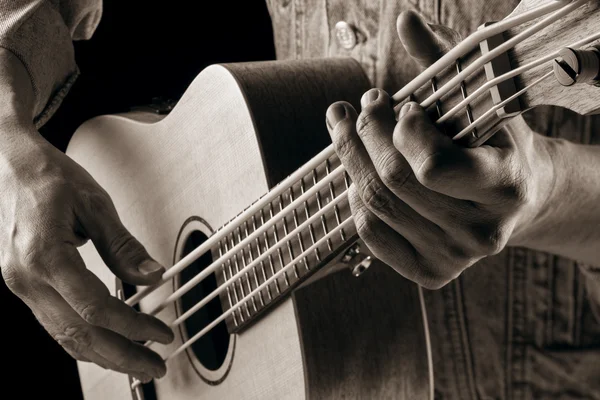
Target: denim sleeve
[(40, 33)]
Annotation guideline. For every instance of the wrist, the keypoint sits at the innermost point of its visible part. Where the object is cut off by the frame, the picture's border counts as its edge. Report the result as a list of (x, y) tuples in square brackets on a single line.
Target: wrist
[(547, 184)]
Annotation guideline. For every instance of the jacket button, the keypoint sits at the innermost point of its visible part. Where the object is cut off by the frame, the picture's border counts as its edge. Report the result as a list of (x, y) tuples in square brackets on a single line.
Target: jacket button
[(346, 35)]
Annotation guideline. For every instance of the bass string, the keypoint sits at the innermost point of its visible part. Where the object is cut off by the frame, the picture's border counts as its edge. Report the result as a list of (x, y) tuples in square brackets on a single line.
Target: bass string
[(262, 257), (491, 112), (306, 252), (245, 216), (515, 72), (328, 152), (346, 224), (472, 41), (509, 44)]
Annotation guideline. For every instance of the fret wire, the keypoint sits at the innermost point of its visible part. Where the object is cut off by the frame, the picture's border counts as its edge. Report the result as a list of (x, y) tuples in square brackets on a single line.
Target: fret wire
[(228, 287), (233, 287), (279, 252), (239, 283), (285, 233), (239, 229), (323, 219), (438, 104), (336, 210), (262, 222), (224, 315), (267, 247), (434, 88), (347, 180), (256, 281), (299, 236), (310, 227), (463, 91)]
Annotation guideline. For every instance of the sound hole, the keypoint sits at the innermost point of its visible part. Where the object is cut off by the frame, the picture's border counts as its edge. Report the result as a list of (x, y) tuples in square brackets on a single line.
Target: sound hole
[(211, 349)]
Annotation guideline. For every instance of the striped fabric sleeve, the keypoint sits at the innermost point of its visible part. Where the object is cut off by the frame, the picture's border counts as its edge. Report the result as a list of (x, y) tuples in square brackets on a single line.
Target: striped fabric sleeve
[(41, 33)]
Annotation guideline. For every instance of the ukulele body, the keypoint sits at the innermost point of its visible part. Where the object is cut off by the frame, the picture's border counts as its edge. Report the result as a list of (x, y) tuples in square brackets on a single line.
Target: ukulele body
[(239, 130)]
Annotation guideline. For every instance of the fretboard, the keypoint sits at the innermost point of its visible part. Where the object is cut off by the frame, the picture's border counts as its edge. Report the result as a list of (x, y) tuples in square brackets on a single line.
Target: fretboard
[(305, 236)]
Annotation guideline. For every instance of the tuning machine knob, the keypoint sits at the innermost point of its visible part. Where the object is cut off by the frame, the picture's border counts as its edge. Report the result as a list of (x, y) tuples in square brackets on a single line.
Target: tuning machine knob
[(578, 66)]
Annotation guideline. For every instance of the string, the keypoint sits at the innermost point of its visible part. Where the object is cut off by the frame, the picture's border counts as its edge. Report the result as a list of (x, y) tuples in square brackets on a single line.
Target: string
[(479, 121), (326, 153), (219, 262), (259, 288), (470, 43), (247, 214), (489, 84), (282, 187), (344, 225), (272, 223), (481, 61)]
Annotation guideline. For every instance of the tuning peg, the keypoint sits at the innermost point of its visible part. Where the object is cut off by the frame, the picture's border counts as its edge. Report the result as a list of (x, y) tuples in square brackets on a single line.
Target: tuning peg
[(578, 66)]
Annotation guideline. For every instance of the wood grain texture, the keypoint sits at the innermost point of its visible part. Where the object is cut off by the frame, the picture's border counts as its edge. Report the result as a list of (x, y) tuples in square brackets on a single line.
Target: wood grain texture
[(582, 99), (585, 21), (208, 159)]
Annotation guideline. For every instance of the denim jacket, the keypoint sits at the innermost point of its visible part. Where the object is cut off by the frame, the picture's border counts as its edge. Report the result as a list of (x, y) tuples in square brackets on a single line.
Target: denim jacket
[(518, 325), (521, 324)]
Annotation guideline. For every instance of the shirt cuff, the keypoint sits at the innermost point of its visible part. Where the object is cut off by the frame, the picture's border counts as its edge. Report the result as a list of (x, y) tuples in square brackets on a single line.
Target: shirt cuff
[(40, 38)]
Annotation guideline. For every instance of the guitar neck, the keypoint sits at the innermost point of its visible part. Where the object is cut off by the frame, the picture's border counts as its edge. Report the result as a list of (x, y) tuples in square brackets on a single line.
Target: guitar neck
[(304, 225)]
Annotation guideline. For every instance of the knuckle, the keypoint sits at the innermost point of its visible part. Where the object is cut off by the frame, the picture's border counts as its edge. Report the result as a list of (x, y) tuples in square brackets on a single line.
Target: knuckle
[(431, 170), (75, 337), (514, 186), (369, 119), (365, 227), (13, 279), (342, 143), (123, 246), (489, 238), (95, 314), (519, 191), (374, 194), (434, 274), (395, 172), (432, 278)]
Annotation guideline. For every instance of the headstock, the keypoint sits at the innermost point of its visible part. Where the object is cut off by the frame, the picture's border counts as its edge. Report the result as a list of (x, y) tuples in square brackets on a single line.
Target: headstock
[(577, 25), (462, 90)]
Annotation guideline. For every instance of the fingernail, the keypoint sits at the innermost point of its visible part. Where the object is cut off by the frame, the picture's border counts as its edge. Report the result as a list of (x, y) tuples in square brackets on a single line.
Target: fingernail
[(405, 109), (160, 372), (150, 267), (369, 97), (168, 335), (143, 378), (335, 114)]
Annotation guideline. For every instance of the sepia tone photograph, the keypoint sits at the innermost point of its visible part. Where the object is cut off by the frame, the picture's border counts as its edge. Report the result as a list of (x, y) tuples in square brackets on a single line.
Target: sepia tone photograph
[(300, 199)]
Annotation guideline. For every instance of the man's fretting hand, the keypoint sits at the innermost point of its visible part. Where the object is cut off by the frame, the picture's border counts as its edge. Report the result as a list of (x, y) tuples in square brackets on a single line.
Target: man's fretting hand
[(423, 204), (50, 205)]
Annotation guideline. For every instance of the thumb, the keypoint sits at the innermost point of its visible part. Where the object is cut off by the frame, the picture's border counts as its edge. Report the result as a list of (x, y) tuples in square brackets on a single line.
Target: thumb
[(424, 42), (126, 257)]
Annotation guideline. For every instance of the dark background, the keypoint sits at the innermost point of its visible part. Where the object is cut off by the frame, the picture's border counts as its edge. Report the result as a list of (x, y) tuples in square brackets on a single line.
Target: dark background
[(142, 49)]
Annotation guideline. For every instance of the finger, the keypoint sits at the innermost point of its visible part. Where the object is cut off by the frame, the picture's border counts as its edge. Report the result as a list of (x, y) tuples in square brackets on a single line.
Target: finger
[(479, 174), (375, 128), (79, 353), (123, 254), (88, 296), (424, 42), (374, 194), (388, 245), (106, 348)]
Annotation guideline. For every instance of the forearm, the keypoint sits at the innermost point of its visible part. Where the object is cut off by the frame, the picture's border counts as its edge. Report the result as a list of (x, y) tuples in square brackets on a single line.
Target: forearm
[(568, 224)]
